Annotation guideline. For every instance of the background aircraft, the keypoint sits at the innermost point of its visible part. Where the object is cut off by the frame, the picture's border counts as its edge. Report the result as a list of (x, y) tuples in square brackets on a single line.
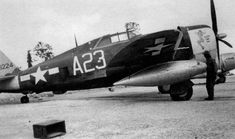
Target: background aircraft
[(227, 64), (169, 57)]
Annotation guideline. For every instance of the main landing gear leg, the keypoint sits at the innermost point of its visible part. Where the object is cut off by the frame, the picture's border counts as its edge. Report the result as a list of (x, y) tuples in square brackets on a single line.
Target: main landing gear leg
[(24, 99)]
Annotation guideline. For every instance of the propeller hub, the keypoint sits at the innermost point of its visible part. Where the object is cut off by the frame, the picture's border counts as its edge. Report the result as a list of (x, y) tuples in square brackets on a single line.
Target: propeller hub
[(221, 36)]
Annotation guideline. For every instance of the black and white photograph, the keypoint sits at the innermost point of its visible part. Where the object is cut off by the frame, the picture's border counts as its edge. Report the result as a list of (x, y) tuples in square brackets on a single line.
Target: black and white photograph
[(117, 69)]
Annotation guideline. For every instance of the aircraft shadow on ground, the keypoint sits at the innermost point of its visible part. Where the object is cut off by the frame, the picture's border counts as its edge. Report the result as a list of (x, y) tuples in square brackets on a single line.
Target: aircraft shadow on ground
[(5, 102), (9, 101), (222, 98), (152, 96), (156, 98), (128, 96), (216, 98)]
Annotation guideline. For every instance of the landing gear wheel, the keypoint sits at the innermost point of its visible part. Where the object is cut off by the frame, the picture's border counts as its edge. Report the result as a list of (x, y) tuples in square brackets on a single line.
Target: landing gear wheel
[(24, 99), (182, 91), (111, 89), (222, 79), (164, 89)]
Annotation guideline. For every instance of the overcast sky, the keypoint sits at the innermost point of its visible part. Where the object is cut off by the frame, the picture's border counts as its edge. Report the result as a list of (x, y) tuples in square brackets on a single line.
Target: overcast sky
[(25, 22)]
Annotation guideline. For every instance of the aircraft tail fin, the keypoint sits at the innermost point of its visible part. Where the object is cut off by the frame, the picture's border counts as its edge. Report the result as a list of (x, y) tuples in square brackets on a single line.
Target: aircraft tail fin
[(7, 67)]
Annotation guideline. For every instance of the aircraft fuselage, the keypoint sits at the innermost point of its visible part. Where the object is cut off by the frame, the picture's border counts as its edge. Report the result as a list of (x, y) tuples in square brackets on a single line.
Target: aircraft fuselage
[(103, 61)]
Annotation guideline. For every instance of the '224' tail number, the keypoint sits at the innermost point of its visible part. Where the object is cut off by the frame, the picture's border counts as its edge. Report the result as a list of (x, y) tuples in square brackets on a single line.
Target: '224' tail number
[(101, 63), (6, 66)]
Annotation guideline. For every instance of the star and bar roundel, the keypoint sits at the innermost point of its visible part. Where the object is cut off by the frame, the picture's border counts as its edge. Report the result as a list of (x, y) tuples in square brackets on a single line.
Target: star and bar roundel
[(158, 46), (39, 75)]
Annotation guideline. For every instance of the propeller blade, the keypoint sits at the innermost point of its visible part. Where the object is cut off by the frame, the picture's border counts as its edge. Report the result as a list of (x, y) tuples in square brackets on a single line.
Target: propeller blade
[(218, 52), (215, 29), (225, 42), (213, 17)]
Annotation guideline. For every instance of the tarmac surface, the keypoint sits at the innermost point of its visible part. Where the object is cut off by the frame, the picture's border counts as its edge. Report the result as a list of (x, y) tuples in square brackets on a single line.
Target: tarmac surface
[(139, 112)]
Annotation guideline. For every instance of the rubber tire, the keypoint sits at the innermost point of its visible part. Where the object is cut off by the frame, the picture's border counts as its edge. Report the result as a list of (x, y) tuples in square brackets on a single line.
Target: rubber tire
[(24, 99), (182, 97), (111, 89), (163, 91), (222, 79)]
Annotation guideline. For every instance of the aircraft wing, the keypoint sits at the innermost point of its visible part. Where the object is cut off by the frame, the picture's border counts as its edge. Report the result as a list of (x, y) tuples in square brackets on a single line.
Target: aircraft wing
[(164, 74), (6, 77)]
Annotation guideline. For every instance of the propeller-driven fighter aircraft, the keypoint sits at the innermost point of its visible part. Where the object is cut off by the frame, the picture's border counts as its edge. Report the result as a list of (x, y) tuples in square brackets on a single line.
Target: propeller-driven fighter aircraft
[(169, 57)]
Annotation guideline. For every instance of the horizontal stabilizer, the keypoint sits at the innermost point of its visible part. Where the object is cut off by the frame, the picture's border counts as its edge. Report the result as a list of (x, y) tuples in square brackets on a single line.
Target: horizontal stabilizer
[(7, 67), (165, 73)]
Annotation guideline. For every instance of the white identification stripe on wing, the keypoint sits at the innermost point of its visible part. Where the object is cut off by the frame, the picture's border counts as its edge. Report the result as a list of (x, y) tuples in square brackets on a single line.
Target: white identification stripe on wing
[(53, 71), (24, 78)]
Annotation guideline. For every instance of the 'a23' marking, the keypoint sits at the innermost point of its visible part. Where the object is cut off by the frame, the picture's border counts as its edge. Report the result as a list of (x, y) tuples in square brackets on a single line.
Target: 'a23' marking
[(99, 64)]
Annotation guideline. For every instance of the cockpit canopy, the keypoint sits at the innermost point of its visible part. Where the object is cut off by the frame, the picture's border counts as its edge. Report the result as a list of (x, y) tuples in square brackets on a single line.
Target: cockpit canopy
[(114, 38)]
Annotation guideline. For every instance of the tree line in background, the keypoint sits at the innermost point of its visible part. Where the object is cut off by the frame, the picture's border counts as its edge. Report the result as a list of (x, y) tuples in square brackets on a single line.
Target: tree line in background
[(41, 52)]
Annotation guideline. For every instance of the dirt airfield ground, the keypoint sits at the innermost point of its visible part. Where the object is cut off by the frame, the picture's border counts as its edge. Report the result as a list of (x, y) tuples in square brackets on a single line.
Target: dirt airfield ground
[(125, 113)]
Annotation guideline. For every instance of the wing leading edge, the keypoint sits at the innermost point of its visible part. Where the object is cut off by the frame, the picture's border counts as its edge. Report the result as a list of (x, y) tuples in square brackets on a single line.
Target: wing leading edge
[(164, 73)]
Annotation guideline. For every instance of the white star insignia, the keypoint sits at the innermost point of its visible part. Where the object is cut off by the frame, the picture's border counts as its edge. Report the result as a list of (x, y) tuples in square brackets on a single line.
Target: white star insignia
[(39, 75)]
